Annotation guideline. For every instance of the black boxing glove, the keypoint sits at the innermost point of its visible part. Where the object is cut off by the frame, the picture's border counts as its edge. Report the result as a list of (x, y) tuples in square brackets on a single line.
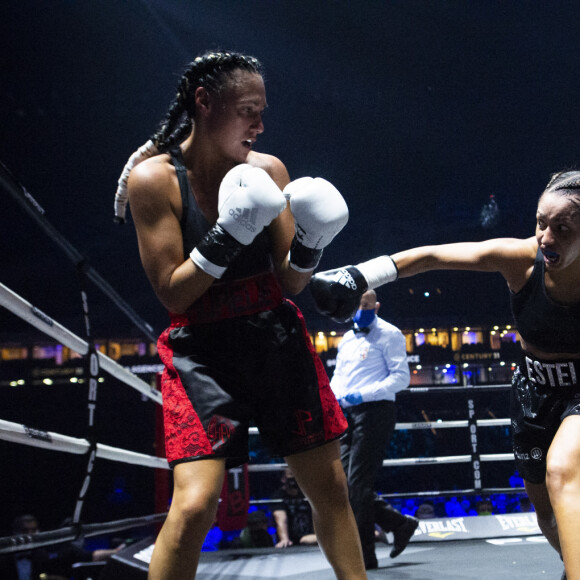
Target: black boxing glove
[(337, 293)]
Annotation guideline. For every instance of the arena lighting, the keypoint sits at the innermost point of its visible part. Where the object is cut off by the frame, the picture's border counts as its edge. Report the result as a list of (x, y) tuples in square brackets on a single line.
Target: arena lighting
[(47, 381), (333, 333), (465, 365), (496, 327), (74, 379)]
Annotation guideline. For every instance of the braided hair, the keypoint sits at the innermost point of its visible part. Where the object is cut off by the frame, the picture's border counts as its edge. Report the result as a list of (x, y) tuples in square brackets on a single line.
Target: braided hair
[(566, 183), (565, 180), (211, 71)]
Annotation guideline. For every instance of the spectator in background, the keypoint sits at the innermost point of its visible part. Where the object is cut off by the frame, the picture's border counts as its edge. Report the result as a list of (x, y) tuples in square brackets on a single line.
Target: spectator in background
[(516, 480), (484, 507), (55, 561), (256, 533), (425, 511), (453, 508), (293, 516), (467, 508)]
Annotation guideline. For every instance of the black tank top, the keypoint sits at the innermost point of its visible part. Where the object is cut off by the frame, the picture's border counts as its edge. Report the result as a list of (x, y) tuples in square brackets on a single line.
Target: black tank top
[(541, 322), (253, 259)]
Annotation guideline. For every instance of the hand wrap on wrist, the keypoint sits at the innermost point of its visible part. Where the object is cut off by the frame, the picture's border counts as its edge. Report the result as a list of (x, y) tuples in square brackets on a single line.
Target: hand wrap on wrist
[(379, 271)]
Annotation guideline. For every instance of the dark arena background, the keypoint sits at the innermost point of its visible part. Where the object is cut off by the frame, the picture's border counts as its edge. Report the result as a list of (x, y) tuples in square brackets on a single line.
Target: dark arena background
[(438, 121)]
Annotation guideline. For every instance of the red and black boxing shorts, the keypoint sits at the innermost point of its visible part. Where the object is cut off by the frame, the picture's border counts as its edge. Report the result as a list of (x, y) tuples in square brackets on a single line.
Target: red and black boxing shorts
[(544, 393), (223, 375)]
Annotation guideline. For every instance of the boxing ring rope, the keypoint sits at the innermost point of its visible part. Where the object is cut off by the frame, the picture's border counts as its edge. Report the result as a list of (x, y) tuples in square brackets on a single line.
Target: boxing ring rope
[(18, 543), (97, 360), (16, 433), (36, 212), (29, 313)]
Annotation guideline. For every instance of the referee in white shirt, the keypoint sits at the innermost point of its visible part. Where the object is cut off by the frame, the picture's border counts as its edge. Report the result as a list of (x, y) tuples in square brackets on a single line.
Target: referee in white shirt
[(371, 368)]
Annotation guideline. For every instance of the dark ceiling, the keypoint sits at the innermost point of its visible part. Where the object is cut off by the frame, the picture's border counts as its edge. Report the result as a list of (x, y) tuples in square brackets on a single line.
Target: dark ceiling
[(418, 111)]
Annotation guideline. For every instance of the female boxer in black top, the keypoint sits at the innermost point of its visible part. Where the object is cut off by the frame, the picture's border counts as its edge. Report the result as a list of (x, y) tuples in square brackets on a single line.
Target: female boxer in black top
[(543, 277), (219, 243)]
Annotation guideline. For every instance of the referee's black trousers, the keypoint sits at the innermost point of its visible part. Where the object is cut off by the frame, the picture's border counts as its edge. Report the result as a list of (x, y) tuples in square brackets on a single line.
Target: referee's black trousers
[(370, 427)]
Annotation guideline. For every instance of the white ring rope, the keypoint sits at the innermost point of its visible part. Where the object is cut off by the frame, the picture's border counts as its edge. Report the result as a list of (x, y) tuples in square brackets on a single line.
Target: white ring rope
[(449, 459), (29, 313), (435, 425), (16, 433), (407, 461)]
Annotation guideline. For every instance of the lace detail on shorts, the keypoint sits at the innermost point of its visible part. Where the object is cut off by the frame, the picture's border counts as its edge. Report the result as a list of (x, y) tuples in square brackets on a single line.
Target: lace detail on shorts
[(185, 436)]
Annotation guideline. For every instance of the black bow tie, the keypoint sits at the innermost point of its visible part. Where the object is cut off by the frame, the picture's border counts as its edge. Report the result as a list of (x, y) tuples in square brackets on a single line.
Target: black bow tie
[(364, 329)]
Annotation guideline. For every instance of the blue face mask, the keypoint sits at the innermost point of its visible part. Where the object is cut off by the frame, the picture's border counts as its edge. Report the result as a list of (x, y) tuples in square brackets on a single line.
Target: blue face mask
[(363, 318)]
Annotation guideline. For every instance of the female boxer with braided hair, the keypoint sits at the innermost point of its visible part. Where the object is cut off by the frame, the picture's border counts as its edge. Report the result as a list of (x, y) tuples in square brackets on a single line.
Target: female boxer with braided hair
[(219, 242), (543, 275)]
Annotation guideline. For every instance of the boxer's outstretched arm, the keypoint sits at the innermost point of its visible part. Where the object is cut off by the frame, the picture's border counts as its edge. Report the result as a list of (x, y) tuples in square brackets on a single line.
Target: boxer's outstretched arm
[(337, 292)]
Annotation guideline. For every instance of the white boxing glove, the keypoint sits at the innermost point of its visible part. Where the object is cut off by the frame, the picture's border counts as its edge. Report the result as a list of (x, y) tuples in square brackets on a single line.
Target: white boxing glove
[(320, 212), (248, 201)]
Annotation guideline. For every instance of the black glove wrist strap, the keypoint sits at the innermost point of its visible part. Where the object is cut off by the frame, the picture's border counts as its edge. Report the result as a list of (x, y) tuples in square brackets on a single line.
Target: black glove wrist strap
[(219, 247), (305, 259)]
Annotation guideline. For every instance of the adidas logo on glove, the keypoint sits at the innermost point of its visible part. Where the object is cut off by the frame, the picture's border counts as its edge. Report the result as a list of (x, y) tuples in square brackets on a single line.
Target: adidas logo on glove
[(344, 278), (245, 217)]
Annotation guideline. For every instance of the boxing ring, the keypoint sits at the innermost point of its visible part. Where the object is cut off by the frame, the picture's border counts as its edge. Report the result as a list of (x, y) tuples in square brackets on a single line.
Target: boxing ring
[(492, 546)]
